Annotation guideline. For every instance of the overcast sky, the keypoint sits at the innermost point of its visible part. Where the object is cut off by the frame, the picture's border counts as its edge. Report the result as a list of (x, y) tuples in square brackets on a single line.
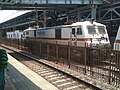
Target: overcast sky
[(9, 14)]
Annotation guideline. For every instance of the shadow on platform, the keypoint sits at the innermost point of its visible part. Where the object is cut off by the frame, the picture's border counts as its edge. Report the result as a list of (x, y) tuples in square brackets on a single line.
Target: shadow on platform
[(20, 81)]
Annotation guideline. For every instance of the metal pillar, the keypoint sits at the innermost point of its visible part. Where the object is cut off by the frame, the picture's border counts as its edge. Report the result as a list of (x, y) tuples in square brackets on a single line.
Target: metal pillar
[(36, 17), (68, 15), (93, 11), (78, 15), (44, 19)]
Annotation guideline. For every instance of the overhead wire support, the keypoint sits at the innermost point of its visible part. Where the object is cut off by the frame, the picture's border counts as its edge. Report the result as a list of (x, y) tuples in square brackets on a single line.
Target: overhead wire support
[(110, 2), (44, 18), (93, 9), (36, 17)]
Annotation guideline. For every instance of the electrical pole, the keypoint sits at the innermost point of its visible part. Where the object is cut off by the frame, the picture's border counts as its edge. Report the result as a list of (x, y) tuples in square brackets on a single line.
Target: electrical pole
[(44, 19), (93, 10), (36, 16)]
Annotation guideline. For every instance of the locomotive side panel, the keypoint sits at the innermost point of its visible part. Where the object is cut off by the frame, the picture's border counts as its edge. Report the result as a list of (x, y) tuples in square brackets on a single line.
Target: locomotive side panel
[(65, 36), (45, 34), (29, 33), (66, 33)]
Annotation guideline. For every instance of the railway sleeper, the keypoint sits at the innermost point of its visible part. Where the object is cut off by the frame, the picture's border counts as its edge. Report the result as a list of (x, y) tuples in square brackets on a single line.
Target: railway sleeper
[(53, 76), (56, 77), (48, 74), (67, 83), (62, 80), (43, 72), (77, 87)]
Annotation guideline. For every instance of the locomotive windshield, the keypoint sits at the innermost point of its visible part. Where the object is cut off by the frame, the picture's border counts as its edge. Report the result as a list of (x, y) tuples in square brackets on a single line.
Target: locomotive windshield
[(91, 30), (79, 31), (27, 32), (101, 30)]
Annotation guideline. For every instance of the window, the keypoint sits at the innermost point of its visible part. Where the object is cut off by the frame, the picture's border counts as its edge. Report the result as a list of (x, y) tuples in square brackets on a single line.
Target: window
[(91, 30), (58, 33), (35, 33), (23, 33), (21, 36), (27, 33), (101, 30), (79, 31), (17, 35), (73, 30)]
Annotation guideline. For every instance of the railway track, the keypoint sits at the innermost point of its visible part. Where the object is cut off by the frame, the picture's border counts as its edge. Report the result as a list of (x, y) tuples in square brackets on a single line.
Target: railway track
[(62, 80)]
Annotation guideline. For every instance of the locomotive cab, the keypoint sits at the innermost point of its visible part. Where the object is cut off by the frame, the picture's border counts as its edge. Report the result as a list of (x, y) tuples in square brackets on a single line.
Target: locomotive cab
[(97, 34), (90, 33), (29, 33)]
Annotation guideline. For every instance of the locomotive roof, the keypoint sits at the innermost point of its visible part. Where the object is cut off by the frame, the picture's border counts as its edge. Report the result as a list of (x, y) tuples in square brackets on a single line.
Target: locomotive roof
[(85, 23), (14, 31), (80, 23), (45, 28), (30, 29)]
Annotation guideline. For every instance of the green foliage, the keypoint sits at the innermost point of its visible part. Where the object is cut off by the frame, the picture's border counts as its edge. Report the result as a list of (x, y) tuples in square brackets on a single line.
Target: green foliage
[(2, 34), (3, 58)]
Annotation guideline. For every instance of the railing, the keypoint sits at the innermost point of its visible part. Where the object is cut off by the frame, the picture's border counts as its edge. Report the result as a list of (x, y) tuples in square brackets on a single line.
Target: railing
[(101, 62)]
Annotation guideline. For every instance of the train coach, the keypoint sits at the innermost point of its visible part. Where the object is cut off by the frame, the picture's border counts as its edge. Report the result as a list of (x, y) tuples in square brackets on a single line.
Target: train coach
[(78, 34), (17, 34)]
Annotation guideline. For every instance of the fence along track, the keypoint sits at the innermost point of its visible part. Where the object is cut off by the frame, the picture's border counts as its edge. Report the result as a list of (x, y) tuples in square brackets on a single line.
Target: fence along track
[(101, 63), (61, 80)]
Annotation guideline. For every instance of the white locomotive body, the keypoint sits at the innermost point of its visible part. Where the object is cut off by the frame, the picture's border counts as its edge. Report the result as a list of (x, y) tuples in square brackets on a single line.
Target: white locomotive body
[(17, 34), (76, 34), (30, 32), (117, 41)]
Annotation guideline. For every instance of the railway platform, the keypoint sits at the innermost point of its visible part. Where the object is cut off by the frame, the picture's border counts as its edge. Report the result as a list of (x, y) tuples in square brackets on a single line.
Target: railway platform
[(19, 77)]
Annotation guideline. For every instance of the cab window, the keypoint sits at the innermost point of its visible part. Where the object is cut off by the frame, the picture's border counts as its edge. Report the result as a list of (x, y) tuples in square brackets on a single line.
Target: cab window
[(73, 30), (27, 33), (91, 30), (79, 31), (101, 30)]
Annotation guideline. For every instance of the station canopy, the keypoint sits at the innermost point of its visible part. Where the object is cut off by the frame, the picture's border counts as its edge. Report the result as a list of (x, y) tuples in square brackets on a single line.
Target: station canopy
[(44, 4), (53, 1)]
